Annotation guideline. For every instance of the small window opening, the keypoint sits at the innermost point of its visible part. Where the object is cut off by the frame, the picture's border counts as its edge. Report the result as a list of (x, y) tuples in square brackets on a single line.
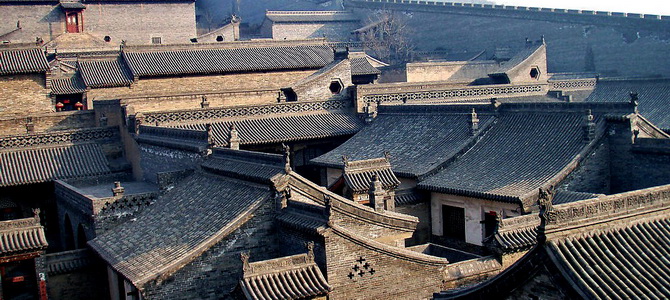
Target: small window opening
[(108, 38), (156, 40), (219, 38), (534, 73), (335, 87)]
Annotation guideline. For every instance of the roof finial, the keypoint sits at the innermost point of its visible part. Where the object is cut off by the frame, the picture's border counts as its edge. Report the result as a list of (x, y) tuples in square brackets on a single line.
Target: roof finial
[(345, 160), (36, 214), (310, 249), (287, 158), (387, 155)]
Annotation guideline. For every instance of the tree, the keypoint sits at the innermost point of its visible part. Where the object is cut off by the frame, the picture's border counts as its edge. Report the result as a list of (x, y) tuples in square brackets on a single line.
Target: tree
[(388, 37)]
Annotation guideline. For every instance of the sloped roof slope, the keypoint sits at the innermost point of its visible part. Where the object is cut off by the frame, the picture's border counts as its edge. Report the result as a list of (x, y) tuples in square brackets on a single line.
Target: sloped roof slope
[(21, 61), (207, 61), (418, 138), (522, 152), (158, 242), (26, 166), (654, 97)]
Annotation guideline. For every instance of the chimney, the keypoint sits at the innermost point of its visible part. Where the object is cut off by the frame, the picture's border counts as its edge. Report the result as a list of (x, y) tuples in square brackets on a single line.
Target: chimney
[(589, 127), (30, 126), (210, 135), (376, 194), (634, 99), (204, 103), (234, 140), (474, 122), (118, 190)]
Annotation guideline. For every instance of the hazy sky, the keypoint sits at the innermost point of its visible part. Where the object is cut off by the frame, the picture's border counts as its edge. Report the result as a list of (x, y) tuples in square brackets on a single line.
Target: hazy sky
[(656, 7)]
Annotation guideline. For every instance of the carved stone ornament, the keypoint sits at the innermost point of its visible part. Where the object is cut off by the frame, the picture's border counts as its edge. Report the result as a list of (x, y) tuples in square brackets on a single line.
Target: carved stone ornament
[(244, 256)]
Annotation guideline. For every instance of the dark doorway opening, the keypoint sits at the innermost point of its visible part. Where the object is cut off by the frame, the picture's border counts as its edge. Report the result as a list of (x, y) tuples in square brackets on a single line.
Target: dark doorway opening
[(453, 222)]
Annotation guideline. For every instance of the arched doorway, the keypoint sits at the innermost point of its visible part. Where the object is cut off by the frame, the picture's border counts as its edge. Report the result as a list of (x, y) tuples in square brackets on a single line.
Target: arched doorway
[(81, 237), (68, 234)]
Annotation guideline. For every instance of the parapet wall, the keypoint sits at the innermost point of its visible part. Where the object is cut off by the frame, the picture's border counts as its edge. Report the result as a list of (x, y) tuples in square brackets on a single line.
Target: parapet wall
[(577, 41), (633, 20)]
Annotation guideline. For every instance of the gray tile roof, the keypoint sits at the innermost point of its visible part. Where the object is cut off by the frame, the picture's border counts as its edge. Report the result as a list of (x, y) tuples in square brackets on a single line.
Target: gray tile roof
[(105, 73), (248, 165), (627, 263), (654, 97), (311, 16), (290, 277), (70, 85), (208, 61), (21, 235), (358, 174), (158, 242), (419, 138), (21, 61), (176, 138), (25, 166), (562, 197), (361, 66), (522, 152), (276, 129)]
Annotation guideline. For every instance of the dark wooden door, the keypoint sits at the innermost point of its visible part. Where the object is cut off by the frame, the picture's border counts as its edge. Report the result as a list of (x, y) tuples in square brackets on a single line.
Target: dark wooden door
[(453, 222)]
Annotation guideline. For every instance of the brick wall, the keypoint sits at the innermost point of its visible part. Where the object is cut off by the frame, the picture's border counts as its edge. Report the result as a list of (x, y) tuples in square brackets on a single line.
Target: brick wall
[(453, 71), (393, 278), (317, 87), (215, 273), (48, 122), (567, 42), (23, 94), (37, 20), (333, 31), (137, 23), (422, 211), (593, 174), (235, 89)]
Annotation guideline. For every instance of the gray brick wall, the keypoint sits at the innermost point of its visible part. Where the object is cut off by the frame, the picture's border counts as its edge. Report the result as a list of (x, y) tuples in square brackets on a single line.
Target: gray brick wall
[(567, 43), (37, 20), (333, 31), (593, 174), (156, 159), (134, 22)]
